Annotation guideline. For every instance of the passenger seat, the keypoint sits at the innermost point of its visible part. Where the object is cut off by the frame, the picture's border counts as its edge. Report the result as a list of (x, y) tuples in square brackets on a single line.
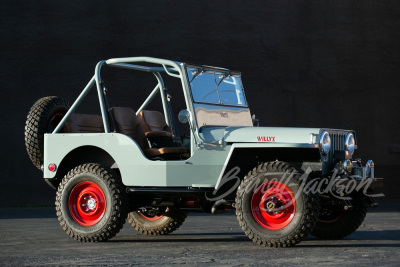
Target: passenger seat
[(153, 123), (128, 123), (157, 131)]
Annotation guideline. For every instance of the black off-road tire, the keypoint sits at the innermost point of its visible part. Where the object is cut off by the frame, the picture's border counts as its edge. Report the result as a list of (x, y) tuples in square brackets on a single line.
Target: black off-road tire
[(170, 221), (305, 211), (42, 118), (114, 213), (345, 223)]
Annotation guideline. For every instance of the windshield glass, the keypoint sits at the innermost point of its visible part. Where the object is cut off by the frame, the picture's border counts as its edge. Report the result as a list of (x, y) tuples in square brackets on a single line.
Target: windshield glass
[(216, 87)]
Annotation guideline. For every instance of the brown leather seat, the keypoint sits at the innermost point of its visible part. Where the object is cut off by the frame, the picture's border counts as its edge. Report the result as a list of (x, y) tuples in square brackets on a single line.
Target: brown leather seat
[(153, 123), (157, 130), (84, 123), (128, 123)]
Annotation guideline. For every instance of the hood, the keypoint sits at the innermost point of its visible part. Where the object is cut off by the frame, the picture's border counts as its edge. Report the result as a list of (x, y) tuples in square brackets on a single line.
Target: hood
[(271, 134)]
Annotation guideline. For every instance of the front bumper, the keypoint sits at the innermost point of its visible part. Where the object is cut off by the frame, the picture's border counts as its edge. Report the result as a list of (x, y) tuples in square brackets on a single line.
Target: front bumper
[(362, 173), (367, 185), (361, 177)]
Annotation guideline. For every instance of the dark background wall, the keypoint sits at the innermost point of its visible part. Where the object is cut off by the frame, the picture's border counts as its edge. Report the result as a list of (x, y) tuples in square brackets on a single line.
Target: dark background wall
[(316, 64)]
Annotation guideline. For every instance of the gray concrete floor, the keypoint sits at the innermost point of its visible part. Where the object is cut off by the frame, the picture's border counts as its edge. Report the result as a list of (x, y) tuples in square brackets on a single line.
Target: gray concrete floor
[(33, 236)]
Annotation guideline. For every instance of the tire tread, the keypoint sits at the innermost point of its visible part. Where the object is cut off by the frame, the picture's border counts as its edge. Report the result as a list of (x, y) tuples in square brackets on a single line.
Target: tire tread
[(300, 233), (118, 212), (175, 220), (35, 126)]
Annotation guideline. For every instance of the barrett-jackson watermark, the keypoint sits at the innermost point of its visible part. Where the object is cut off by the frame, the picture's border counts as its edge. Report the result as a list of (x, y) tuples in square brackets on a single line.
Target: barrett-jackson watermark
[(337, 186)]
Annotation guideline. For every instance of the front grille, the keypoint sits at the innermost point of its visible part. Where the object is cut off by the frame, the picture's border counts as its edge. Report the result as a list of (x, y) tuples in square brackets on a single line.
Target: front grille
[(338, 139)]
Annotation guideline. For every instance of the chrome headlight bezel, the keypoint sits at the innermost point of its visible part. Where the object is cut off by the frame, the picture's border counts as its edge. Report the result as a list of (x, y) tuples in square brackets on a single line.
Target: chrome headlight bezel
[(350, 143), (325, 143)]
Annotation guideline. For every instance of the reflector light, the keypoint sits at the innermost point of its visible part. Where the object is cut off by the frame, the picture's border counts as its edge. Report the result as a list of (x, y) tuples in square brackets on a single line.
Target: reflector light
[(52, 167)]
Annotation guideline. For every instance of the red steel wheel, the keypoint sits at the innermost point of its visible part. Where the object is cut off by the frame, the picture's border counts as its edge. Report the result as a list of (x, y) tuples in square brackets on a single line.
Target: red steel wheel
[(330, 217), (157, 221), (154, 217), (87, 203), (274, 213), (273, 205), (334, 222)]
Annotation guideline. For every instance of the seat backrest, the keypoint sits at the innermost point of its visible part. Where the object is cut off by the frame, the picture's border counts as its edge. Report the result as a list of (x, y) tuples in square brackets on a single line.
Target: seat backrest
[(128, 123), (84, 123), (153, 121)]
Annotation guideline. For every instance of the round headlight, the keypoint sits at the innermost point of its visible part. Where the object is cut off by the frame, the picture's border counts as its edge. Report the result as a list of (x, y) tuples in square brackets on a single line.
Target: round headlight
[(325, 143), (350, 143)]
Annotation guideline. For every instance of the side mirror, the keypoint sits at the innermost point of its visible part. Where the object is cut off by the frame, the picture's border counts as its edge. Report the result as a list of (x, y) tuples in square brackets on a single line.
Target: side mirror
[(256, 122), (184, 116)]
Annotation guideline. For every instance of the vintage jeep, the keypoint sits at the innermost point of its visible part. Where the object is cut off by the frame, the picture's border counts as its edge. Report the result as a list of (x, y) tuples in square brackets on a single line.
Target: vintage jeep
[(284, 183)]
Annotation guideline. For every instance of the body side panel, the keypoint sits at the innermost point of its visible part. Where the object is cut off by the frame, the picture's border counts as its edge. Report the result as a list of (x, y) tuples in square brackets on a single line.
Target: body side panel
[(203, 168)]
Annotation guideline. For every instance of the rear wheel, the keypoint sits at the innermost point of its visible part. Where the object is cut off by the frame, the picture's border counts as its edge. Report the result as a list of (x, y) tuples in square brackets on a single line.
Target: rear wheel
[(43, 117), (271, 207), (156, 221), (334, 222), (90, 203)]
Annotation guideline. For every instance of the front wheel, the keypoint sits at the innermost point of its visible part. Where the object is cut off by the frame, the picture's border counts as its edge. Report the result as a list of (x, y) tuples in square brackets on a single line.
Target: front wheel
[(335, 223), (272, 208), (90, 203), (156, 221)]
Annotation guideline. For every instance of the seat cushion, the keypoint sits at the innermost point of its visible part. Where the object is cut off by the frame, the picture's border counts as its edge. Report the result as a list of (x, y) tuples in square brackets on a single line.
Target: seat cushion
[(158, 134), (153, 152)]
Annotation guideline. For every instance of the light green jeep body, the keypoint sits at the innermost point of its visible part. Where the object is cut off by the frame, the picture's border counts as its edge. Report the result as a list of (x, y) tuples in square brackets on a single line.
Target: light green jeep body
[(221, 132)]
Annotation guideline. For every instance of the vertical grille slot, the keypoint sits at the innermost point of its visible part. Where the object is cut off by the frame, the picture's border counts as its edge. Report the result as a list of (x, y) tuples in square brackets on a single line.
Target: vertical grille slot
[(337, 143)]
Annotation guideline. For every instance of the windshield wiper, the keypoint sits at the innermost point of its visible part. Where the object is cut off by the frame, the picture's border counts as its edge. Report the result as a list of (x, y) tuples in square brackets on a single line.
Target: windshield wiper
[(197, 73), (224, 76)]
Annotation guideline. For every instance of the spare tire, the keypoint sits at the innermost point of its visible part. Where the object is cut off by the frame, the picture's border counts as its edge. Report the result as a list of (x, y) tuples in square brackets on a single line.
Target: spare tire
[(43, 117)]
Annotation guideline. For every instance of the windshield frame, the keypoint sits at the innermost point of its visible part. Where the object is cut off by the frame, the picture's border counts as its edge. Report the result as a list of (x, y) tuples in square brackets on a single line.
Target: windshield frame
[(215, 71)]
